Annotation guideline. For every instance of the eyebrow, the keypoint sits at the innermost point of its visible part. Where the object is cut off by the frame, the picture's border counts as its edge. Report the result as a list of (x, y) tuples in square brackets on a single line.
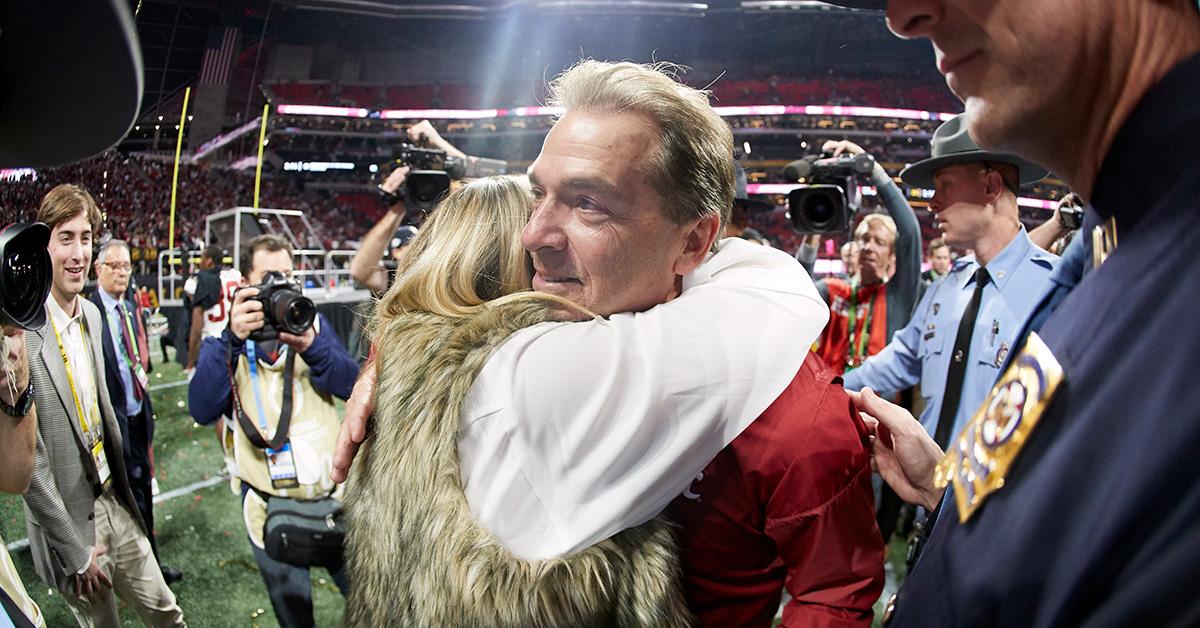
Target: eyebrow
[(591, 184)]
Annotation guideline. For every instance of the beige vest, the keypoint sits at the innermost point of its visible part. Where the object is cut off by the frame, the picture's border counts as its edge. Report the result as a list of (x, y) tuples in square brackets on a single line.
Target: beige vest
[(312, 434), (415, 554)]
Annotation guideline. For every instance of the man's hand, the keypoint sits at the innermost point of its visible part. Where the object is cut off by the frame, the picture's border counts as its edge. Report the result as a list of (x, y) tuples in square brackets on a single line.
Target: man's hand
[(93, 581), (359, 407), (843, 147), (423, 131), (300, 343), (13, 349), (901, 451), (392, 185), (246, 315)]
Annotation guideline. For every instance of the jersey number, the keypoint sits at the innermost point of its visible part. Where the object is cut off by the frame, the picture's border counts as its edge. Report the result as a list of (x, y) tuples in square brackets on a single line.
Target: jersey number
[(230, 288)]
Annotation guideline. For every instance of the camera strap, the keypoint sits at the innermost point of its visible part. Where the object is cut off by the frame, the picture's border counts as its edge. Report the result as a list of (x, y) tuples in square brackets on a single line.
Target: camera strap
[(285, 411)]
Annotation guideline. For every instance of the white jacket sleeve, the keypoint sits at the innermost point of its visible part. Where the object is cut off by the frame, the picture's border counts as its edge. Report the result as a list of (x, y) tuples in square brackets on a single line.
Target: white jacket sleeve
[(575, 431)]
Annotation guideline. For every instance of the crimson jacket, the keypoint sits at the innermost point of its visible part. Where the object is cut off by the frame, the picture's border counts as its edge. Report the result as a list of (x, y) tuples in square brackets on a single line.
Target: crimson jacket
[(787, 503)]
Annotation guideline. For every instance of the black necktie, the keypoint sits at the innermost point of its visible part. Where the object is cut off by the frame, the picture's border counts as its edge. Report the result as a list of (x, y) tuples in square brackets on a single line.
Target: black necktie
[(958, 361)]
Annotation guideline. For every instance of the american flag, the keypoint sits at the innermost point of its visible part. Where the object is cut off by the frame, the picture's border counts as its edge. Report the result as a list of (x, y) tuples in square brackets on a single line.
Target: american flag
[(219, 54)]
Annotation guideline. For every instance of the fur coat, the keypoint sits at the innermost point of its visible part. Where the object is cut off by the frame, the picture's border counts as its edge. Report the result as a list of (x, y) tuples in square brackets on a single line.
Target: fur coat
[(416, 556)]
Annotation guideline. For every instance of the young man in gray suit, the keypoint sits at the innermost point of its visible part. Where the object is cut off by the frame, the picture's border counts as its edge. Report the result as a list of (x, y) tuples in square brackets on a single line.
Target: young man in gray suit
[(85, 531)]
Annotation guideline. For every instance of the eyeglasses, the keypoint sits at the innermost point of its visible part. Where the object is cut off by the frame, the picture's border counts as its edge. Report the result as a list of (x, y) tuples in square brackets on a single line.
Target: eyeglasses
[(118, 265)]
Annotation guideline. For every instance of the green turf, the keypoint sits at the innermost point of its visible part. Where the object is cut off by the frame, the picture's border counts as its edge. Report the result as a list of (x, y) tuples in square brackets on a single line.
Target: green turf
[(200, 533)]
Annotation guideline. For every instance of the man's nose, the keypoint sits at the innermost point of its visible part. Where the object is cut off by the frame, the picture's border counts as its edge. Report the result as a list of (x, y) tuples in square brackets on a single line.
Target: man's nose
[(910, 19), (545, 227)]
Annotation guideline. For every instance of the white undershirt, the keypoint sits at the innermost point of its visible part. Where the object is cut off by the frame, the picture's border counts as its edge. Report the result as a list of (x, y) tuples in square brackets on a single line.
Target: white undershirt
[(575, 431), (70, 329)]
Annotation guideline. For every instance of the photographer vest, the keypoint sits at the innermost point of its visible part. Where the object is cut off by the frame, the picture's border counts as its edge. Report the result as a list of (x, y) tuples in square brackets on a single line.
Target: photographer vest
[(417, 556), (312, 435)]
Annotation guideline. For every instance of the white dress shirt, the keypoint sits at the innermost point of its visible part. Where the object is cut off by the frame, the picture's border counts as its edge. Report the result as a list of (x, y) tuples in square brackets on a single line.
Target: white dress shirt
[(83, 373), (573, 432)]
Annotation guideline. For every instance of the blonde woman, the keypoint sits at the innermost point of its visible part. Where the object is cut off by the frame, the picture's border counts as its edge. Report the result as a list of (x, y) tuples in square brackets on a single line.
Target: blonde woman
[(415, 554)]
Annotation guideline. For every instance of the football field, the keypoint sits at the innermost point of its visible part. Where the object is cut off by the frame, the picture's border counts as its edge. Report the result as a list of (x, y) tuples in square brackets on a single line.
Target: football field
[(200, 529)]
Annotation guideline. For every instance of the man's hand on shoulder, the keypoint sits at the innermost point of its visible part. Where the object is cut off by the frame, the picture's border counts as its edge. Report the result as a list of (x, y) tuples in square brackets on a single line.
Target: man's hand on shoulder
[(901, 450), (354, 424)]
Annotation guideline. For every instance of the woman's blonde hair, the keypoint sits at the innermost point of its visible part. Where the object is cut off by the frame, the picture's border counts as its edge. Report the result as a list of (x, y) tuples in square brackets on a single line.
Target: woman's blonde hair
[(467, 254)]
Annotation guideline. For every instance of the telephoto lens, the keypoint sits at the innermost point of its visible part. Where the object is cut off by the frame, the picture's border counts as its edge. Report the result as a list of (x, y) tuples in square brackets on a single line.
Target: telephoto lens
[(292, 311), (24, 275)]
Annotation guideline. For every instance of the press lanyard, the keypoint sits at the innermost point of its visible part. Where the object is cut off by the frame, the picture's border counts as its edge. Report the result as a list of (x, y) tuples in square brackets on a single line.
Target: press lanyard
[(853, 357), (70, 378), (258, 397)]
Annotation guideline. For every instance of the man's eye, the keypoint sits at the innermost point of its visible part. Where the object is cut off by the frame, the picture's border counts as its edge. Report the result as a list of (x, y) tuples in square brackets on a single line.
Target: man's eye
[(538, 194), (587, 203)]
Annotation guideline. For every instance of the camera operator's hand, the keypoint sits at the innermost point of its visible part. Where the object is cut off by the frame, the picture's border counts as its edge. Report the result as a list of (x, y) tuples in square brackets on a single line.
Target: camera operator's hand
[(246, 316), (300, 343), (836, 148), (392, 185), (424, 131), (14, 354)]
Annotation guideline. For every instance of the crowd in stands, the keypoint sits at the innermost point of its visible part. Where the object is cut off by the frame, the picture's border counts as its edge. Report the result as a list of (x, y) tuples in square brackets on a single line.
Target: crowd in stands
[(134, 193)]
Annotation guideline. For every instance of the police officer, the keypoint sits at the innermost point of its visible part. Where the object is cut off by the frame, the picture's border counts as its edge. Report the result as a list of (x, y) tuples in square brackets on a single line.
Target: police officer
[(956, 358), (1074, 491)]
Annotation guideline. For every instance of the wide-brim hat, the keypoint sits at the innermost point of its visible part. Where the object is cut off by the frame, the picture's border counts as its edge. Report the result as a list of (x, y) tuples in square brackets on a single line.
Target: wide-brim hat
[(952, 145), (70, 79), (742, 198)]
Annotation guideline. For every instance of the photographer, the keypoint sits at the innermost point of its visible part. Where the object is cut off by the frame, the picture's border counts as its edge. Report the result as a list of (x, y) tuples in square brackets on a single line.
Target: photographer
[(366, 267), (866, 311), (256, 375)]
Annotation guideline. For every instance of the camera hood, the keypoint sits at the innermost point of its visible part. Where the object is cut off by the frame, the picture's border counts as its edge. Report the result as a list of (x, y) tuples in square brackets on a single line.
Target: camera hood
[(25, 275), (70, 79)]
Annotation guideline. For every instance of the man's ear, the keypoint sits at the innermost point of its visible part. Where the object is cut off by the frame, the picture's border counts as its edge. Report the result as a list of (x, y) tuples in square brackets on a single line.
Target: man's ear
[(698, 241), (995, 185)]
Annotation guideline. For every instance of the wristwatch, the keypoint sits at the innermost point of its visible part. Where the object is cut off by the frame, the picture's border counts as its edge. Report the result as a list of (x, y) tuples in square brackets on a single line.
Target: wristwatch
[(24, 403)]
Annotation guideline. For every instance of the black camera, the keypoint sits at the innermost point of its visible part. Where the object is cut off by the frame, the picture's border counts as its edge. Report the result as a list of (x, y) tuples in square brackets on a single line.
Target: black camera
[(829, 197), (285, 308), (1070, 212), (430, 173), (25, 275)]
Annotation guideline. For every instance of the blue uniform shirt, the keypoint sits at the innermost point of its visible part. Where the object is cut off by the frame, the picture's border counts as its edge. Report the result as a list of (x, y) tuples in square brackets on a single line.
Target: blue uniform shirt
[(921, 351), (116, 326)]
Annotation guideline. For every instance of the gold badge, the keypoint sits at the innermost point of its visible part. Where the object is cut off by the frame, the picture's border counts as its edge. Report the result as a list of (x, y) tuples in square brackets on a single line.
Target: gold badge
[(978, 460)]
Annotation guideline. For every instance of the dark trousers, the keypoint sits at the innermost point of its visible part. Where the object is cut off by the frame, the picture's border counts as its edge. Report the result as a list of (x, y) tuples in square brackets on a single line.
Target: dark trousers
[(138, 437), (289, 586), (290, 589)]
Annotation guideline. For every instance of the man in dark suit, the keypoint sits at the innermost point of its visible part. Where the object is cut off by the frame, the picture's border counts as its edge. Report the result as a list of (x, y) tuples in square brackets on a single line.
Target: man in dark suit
[(126, 364)]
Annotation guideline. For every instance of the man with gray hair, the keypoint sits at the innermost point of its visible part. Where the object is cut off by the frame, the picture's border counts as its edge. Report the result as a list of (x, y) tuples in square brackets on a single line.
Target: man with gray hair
[(688, 387), (126, 368)]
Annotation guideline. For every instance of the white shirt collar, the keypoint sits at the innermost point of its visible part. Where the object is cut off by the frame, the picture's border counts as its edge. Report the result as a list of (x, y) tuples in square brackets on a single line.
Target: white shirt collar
[(61, 319)]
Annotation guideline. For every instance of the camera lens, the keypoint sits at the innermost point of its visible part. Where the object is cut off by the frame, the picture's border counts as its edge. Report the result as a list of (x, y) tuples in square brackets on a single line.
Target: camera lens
[(24, 275), (819, 209), (293, 311)]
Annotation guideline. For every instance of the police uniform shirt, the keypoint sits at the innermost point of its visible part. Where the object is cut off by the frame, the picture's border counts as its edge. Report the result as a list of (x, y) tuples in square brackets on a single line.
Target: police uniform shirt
[(922, 351), (1098, 520)]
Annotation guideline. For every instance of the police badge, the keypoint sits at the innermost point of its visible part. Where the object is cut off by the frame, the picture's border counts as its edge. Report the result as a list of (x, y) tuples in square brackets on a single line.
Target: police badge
[(978, 461)]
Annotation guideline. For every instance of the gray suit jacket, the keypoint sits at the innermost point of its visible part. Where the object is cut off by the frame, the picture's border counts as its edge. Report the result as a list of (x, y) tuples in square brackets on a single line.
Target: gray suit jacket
[(60, 502)]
